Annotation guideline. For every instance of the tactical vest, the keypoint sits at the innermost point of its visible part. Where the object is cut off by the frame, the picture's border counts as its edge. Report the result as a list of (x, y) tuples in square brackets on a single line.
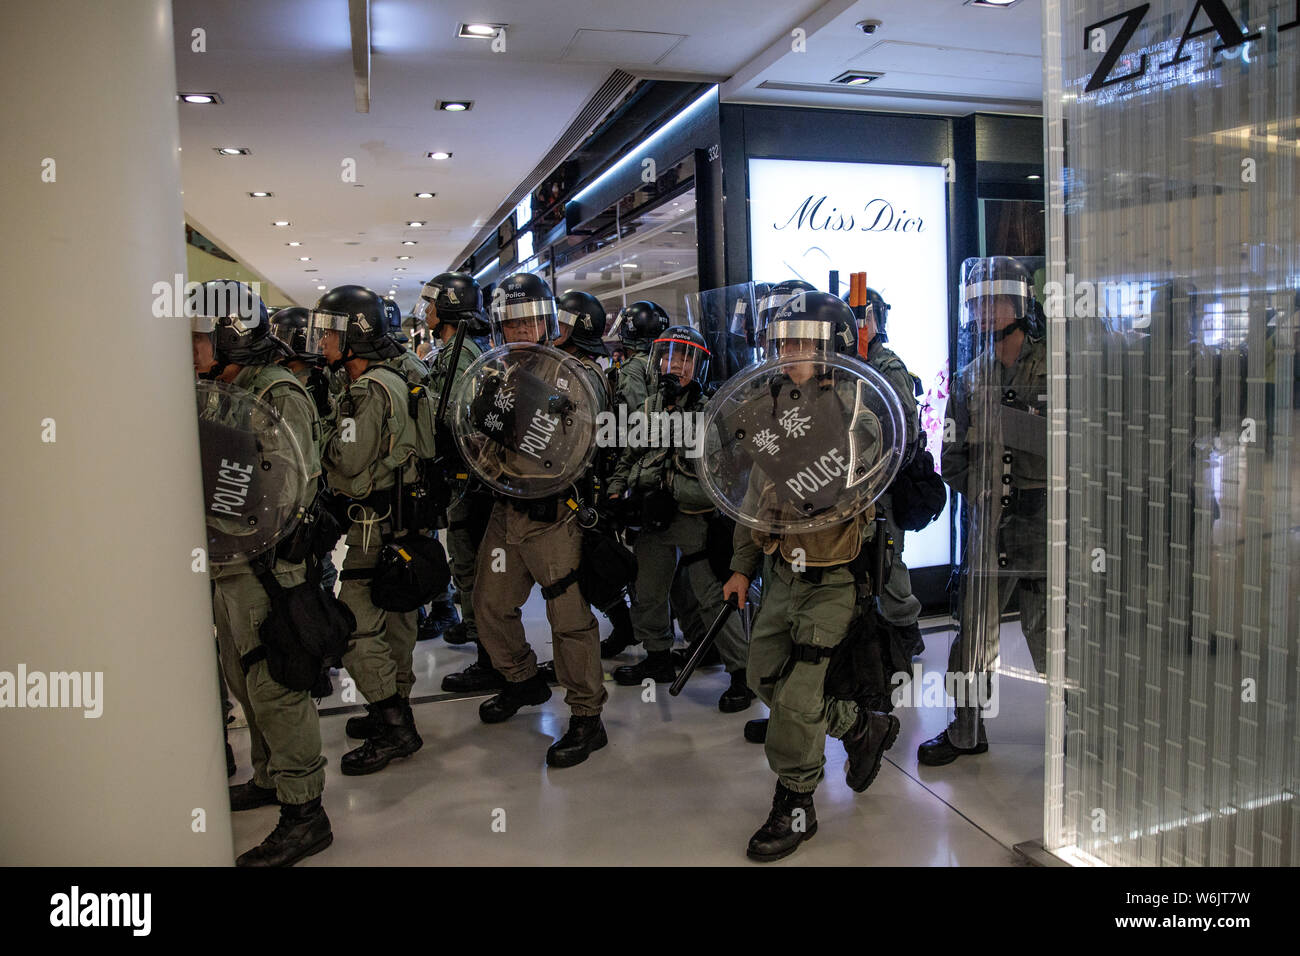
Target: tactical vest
[(267, 377), (398, 441), (827, 547)]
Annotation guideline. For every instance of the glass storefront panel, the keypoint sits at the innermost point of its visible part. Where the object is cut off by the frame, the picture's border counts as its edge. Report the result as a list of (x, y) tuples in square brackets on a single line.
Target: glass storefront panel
[(1174, 287)]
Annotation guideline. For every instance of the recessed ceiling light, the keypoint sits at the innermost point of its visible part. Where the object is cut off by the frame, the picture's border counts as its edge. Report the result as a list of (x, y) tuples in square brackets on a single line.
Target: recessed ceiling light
[(321, 287), (399, 268), (1033, 176), (991, 3), (200, 99), (232, 150), (311, 270), (304, 258), (479, 31), (678, 232), (261, 195), (856, 78), (282, 222), (455, 106), (415, 223), (403, 257), (424, 195), (293, 243), (438, 154)]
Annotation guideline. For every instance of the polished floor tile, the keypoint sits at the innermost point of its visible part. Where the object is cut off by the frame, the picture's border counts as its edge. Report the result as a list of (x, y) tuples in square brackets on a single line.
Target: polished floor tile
[(677, 785)]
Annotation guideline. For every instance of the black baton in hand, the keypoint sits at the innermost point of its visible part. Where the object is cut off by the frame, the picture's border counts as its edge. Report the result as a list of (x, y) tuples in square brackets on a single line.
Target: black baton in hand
[(702, 648)]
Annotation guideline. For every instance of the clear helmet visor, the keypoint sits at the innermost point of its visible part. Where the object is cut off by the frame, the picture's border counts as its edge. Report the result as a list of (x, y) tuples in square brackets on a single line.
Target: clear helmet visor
[(327, 334), (680, 357), (532, 322), (794, 337)]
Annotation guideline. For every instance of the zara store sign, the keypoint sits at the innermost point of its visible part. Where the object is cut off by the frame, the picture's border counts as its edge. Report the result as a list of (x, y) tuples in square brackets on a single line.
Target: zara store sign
[(890, 221), (1222, 23)]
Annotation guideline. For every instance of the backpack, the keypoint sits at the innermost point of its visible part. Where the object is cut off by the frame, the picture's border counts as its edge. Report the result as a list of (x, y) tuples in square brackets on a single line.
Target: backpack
[(918, 495)]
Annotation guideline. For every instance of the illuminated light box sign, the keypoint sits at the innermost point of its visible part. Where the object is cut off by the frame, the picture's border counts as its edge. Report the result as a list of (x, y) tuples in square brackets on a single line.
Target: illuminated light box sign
[(807, 218)]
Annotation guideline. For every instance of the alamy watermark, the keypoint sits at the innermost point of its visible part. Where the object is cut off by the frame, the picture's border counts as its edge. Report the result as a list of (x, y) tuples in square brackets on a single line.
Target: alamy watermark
[(921, 688), (37, 689), (639, 429)]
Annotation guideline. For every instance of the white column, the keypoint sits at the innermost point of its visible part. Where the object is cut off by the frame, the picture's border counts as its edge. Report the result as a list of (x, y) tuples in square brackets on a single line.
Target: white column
[(99, 524)]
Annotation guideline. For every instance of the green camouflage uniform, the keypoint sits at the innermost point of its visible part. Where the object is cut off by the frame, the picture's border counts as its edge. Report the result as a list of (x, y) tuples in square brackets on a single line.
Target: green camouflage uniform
[(283, 727), (897, 603), (379, 655), (645, 470)]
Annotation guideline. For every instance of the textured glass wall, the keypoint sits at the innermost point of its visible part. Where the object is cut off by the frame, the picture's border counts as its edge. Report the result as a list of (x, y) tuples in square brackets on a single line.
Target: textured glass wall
[(1174, 606)]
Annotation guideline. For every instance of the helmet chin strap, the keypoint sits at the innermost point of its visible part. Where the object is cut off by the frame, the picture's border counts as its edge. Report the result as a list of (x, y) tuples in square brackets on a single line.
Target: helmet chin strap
[(1021, 323)]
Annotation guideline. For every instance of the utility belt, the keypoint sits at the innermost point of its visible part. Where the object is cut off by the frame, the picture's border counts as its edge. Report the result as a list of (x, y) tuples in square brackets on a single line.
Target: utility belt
[(538, 509), (811, 575)]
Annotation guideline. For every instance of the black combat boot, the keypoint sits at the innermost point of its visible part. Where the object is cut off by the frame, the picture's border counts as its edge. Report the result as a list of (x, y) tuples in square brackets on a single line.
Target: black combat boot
[(473, 678), (658, 666), (459, 633), (249, 796), (366, 726), (738, 696), (585, 734), (756, 730), (396, 738), (303, 829), (506, 704), (865, 744), (547, 670), (711, 657), (940, 750), (442, 615), (621, 638), (785, 828)]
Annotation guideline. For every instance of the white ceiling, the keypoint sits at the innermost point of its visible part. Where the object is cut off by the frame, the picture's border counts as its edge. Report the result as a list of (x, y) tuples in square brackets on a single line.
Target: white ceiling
[(284, 71)]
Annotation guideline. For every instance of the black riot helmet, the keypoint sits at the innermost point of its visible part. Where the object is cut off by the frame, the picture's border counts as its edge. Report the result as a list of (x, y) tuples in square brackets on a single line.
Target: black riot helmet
[(876, 308), (582, 322), (393, 321), (234, 316), (680, 354), (777, 296), (357, 316), (289, 325), (452, 297), (639, 324), (524, 307), (818, 318), (986, 283)]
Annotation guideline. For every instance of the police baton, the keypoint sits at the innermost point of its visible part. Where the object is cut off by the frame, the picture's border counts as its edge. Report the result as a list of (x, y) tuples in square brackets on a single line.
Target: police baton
[(457, 343), (703, 646)]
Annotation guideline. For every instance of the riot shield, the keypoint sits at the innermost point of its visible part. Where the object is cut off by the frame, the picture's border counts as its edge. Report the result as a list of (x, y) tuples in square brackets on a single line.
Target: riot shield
[(995, 455), (524, 418), (796, 446), (254, 477), (725, 317)]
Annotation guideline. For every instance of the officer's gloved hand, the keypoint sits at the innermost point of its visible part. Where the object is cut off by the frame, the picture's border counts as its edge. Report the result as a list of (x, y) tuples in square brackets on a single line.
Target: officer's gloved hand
[(670, 387), (658, 510)]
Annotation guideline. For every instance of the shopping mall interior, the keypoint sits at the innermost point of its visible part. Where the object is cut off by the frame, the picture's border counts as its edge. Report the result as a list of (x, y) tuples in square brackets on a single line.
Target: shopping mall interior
[(1136, 163)]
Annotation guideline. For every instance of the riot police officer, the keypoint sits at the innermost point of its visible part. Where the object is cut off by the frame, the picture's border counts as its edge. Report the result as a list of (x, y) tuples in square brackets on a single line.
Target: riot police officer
[(363, 459), (898, 605), (533, 540), (674, 524), (446, 301), (232, 342), (995, 456), (582, 328), (821, 455), (289, 325)]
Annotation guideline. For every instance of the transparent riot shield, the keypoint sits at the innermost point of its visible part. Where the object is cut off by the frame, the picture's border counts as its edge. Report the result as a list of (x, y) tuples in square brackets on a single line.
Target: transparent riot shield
[(795, 446), (995, 455), (254, 477), (725, 317), (524, 418)]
